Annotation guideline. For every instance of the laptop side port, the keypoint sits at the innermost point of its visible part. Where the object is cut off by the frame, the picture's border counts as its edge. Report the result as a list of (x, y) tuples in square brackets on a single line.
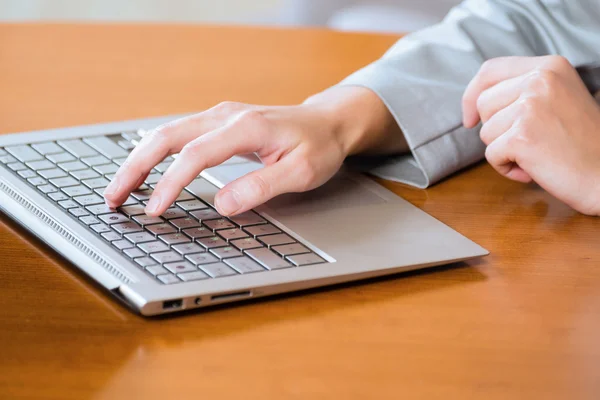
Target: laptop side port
[(231, 296), (172, 304)]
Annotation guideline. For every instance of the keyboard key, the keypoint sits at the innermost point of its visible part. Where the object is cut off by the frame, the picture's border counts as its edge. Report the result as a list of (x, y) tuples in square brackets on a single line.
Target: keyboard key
[(127, 227), (268, 259), (64, 182), (246, 243), (153, 178), (274, 240), (6, 159), (24, 153), (72, 166), (290, 249), (140, 237), (119, 161), (89, 199), (100, 209), (60, 157), (100, 228), (106, 169), (134, 253), (168, 279), (142, 194), (191, 205), (153, 247), (188, 248), (216, 224), (126, 144), (212, 242), (183, 196), (89, 220), (174, 238), (166, 257), (47, 148), (305, 259), (77, 148), (95, 160), (218, 270), (16, 166), (226, 252), (156, 270), (79, 212), (173, 213), (132, 135), (244, 265), (248, 218), (37, 181), (66, 204), (122, 244), (3, 152), (27, 173), (145, 261), (147, 220), (161, 229), (232, 234), (183, 223), (96, 182), (76, 190), (192, 276), (198, 232), (40, 164), (52, 173), (114, 218), (111, 236), (58, 196), (201, 258), (106, 147), (180, 266), (87, 174), (135, 209), (204, 190), (130, 201), (162, 167), (47, 188)]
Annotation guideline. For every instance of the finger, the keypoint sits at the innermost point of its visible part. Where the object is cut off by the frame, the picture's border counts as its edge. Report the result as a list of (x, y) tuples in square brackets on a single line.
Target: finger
[(500, 122), (246, 134), (154, 147), (501, 95), (259, 186), (491, 73), (502, 156)]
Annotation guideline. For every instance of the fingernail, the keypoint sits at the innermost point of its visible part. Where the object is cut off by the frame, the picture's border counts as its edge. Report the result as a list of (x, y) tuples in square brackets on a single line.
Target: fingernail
[(153, 204), (113, 187), (228, 202)]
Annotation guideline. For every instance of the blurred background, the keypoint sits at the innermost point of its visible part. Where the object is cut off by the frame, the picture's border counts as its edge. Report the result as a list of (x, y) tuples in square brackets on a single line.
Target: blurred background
[(353, 15)]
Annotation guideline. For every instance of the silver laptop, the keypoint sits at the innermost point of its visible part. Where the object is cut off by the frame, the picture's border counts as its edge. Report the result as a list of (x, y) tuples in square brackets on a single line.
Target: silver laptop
[(351, 228)]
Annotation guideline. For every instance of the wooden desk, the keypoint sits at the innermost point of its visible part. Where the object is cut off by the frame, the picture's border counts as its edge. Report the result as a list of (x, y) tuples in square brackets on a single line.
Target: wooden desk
[(522, 323)]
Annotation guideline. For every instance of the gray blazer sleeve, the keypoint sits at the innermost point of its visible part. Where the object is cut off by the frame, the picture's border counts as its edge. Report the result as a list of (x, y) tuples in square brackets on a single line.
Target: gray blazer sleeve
[(422, 77)]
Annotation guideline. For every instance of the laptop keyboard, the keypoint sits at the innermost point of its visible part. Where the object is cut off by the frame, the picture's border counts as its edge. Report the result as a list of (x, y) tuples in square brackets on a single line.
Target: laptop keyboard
[(189, 242)]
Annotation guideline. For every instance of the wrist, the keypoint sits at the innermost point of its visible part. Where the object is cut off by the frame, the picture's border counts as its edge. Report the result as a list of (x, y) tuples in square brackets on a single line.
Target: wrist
[(360, 120)]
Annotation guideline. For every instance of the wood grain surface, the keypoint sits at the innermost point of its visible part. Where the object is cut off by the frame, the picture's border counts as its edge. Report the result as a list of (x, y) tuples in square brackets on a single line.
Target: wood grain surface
[(523, 323)]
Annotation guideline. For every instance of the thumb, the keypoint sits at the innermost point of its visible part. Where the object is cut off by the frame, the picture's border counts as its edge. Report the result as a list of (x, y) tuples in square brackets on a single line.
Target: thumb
[(257, 187)]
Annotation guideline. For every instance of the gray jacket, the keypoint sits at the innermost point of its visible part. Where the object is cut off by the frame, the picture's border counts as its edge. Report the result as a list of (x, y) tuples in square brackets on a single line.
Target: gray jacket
[(422, 77)]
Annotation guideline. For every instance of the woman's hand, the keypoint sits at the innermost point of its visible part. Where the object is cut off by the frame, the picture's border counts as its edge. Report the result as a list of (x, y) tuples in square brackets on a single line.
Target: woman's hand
[(540, 123), (301, 146)]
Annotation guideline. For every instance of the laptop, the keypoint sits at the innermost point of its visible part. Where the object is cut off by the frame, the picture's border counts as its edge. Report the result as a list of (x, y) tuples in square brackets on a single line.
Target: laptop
[(351, 228)]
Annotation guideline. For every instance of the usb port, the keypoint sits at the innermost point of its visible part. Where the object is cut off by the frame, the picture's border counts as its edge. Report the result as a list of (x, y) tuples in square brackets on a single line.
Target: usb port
[(172, 304)]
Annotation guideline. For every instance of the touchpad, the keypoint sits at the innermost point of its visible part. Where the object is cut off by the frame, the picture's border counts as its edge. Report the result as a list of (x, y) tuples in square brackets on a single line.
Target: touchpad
[(339, 192)]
